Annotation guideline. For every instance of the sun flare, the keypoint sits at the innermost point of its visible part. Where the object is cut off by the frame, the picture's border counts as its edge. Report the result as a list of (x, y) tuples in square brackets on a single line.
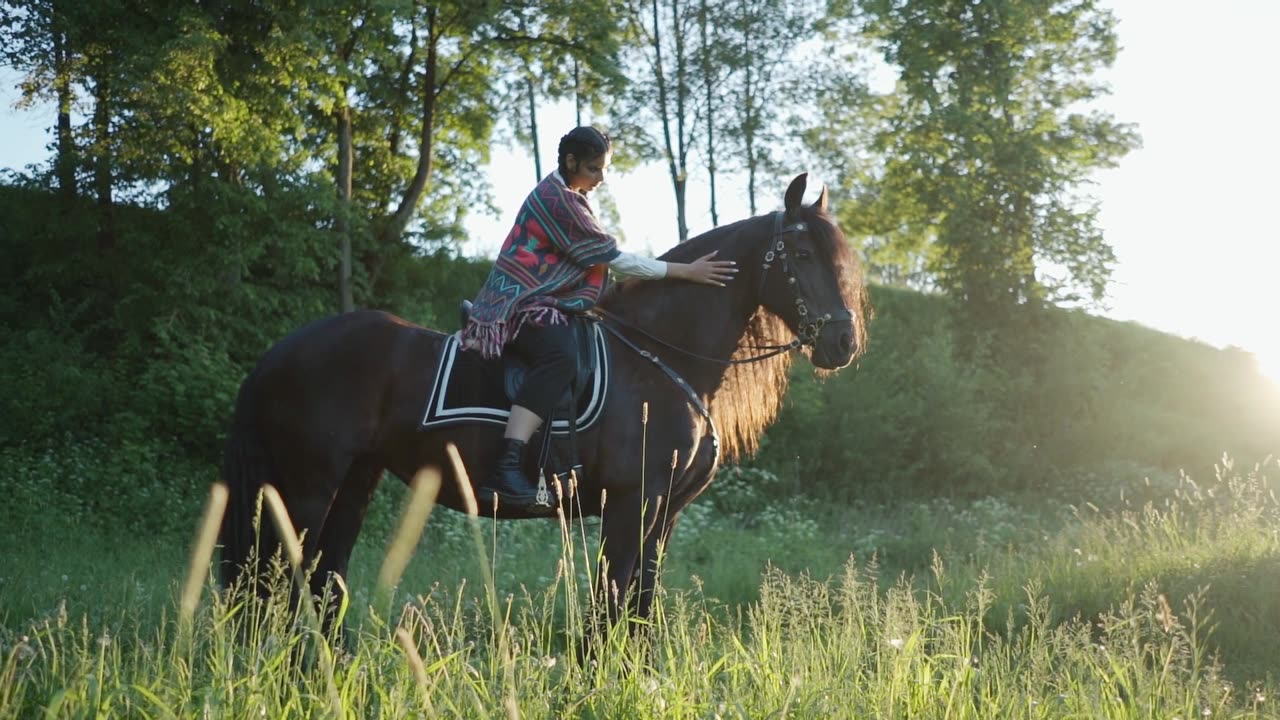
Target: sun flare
[(1269, 363)]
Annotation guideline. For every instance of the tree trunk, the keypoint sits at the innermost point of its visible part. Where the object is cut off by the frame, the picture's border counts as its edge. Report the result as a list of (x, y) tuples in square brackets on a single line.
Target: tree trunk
[(394, 225), (710, 112), (533, 128), (749, 135), (66, 161), (102, 177), (682, 133), (577, 94), (674, 157), (346, 156)]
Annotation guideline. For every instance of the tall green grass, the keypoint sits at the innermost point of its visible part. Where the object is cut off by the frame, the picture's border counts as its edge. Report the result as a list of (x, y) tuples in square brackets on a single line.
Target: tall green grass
[(1132, 609)]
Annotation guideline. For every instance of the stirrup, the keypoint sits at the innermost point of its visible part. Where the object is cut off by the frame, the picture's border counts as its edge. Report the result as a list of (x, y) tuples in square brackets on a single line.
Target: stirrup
[(543, 497)]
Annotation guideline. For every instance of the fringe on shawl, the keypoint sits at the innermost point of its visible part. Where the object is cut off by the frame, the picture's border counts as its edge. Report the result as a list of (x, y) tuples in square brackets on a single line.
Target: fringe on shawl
[(489, 338)]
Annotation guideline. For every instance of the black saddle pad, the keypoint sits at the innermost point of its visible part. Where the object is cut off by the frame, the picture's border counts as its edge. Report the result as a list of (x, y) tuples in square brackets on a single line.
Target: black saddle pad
[(467, 388)]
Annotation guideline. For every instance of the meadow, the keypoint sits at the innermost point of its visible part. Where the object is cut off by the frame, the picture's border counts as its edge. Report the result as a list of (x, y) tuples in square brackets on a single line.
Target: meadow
[(1151, 599)]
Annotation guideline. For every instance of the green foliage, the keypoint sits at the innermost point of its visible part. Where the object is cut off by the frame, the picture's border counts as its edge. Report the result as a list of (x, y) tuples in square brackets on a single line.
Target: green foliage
[(1081, 398), (910, 417), (94, 487)]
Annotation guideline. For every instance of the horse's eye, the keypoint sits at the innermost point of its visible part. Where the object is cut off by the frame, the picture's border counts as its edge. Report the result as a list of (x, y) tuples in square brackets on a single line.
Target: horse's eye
[(801, 254)]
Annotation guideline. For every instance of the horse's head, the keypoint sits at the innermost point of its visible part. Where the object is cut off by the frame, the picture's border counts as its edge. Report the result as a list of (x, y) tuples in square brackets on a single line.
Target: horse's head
[(809, 278)]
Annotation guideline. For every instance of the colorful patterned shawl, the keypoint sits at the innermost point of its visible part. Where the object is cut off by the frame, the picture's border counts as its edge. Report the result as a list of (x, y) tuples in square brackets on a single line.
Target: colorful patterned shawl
[(553, 261)]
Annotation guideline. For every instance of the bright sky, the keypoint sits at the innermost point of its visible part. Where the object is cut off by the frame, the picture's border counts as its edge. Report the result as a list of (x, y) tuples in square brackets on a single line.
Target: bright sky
[(1188, 213)]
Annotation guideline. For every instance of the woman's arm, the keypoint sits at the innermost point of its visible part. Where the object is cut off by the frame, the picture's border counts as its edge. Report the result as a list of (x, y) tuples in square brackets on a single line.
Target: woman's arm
[(704, 270), (636, 266)]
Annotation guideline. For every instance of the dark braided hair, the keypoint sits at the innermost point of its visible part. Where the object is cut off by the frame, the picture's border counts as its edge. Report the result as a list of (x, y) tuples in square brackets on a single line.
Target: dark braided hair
[(584, 143)]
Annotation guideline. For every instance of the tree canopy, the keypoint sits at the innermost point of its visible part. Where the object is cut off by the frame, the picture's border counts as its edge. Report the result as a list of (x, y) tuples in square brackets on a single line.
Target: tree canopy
[(988, 142)]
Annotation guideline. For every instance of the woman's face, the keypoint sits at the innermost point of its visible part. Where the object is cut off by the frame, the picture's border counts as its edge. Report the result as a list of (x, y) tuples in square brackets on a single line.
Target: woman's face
[(586, 175)]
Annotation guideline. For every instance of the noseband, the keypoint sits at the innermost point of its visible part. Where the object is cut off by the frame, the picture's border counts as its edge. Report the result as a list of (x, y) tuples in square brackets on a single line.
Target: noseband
[(810, 328)]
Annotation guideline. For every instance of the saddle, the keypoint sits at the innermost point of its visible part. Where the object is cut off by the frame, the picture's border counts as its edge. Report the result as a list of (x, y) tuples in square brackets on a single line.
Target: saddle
[(469, 389), (516, 368)]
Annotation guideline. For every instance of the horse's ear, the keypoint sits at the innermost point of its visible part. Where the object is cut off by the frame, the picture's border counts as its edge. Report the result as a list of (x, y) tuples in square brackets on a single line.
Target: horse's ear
[(821, 203), (795, 193)]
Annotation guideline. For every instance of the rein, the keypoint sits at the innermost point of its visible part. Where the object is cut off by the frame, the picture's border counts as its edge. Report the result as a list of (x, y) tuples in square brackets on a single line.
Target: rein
[(774, 350)]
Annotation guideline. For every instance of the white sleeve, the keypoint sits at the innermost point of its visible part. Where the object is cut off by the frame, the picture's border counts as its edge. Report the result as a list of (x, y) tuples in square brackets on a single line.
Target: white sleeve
[(629, 265)]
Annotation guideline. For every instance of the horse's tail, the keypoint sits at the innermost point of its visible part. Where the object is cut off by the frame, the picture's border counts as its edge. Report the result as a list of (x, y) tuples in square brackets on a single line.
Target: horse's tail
[(246, 467)]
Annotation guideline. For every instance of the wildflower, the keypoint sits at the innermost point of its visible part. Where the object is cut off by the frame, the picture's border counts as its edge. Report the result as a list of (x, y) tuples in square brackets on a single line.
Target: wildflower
[(896, 643), (548, 662), (23, 651)]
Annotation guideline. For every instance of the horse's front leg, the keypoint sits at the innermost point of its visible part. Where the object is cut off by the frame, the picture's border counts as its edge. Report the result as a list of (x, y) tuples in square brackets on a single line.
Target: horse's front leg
[(680, 491), (652, 554), (621, 534)]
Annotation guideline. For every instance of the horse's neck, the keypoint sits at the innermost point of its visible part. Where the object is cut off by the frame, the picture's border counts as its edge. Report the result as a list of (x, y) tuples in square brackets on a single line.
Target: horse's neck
[(703, 319)]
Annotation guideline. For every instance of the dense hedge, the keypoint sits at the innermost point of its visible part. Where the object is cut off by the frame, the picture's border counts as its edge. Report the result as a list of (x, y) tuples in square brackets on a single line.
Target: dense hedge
[(123, 361)]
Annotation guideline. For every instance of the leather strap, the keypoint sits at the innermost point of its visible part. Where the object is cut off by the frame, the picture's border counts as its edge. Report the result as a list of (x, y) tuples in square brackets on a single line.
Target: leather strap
[(679, 381)]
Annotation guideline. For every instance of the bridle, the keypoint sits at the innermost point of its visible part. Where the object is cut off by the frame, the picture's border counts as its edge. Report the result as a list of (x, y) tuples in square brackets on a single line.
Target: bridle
[(809, 328)]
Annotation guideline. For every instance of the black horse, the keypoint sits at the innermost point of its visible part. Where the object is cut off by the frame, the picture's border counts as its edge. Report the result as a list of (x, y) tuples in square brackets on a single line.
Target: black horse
[(333, 405)]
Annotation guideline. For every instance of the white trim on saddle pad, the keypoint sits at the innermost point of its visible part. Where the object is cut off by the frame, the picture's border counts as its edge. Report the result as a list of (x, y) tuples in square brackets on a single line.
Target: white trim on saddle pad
[(439, 414)]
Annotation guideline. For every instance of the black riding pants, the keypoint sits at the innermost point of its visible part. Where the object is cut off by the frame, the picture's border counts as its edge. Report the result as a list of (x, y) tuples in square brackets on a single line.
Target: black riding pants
[(551, 353)]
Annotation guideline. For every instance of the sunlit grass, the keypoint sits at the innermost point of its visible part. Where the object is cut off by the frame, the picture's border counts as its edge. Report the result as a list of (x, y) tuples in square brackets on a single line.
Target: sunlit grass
[(1115, 613)]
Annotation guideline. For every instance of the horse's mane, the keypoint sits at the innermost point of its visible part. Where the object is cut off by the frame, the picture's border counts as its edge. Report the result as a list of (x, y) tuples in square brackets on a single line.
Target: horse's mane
[(751, 394), (748, 397)]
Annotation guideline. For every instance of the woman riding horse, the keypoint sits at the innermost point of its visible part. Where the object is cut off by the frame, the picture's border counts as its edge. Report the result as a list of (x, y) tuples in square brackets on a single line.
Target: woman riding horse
[(696, 375), (555, 261)]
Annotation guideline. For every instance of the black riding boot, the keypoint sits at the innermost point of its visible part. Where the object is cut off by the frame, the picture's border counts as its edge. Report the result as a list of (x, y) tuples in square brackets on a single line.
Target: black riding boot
[(508, 481)]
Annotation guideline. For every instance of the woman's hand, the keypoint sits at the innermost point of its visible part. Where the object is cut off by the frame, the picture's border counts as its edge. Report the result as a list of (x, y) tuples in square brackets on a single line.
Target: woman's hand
[(704, 270)]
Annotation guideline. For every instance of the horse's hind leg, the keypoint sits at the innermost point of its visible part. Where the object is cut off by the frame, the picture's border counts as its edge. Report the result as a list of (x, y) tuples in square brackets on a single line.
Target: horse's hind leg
[(341, 527), (309, 487)]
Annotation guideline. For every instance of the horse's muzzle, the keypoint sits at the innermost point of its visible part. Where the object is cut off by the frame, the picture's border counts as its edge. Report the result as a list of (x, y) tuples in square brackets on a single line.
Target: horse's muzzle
[(835, 346)]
